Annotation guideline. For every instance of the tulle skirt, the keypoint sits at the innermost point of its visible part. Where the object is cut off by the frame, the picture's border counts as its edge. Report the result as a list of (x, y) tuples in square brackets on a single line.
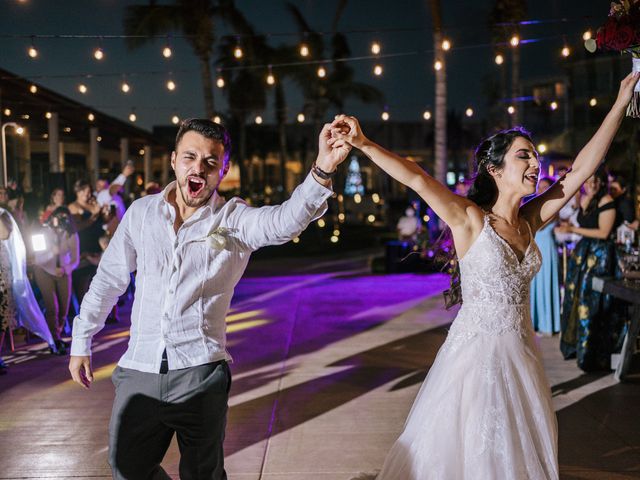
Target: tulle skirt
[(484, 412)]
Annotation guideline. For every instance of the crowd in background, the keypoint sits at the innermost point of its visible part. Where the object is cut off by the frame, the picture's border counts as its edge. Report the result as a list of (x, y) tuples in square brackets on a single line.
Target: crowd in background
[(62, 244)]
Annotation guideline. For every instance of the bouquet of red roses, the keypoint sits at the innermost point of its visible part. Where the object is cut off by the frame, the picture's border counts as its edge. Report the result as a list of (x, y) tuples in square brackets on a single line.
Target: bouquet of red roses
[(621, 33)]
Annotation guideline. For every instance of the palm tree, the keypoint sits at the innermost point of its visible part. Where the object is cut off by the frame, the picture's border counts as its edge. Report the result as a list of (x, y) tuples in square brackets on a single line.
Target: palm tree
[(504, 22), (339, 85), (440, 127), (192, 18)]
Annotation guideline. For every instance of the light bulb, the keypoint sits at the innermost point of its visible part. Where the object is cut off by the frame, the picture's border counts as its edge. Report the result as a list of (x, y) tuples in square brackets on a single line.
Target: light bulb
[(587, 35), (47, 115), (499, 59), (237, 52), (175, 119), (566, 51), (220, 82), (271, 79), (515, 41), (217, 119), (322, 72), (437, 65), (258, 119), (469, 112), (593, 102), (554, 105), (98, 54), (304, 50), (32, 52), (385, 116), (166, 52), (171, 85), (446, 45), (91, 117), (82, 88), (301, 117), (511, 109), (132, 117), (426, 115), (375, 48), (125, 87), (377, 70), (33, 89)]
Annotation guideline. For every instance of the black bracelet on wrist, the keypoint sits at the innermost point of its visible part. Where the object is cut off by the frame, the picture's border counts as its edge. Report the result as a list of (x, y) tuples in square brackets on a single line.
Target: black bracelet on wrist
[(321, 173)]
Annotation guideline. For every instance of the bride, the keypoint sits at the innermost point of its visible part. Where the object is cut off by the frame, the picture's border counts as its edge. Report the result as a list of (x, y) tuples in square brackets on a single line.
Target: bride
[(484, 410)]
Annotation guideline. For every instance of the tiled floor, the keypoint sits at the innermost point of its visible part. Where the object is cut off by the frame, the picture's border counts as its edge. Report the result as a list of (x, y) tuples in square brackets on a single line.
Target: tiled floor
[(326, 368)]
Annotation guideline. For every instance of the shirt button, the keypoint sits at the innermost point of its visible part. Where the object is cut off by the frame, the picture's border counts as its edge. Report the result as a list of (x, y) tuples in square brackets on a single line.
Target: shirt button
[(171, 292)]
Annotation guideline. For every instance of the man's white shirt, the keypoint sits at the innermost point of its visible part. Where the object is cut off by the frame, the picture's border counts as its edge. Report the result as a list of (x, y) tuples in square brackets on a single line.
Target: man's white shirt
[(184, 284)]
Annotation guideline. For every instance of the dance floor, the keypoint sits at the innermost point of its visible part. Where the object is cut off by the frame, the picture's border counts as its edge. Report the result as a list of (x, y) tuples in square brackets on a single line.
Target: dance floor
[(327, 361)]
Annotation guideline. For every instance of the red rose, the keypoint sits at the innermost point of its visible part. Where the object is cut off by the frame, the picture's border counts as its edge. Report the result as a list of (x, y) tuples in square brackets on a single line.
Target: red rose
[(609, 33), (624, 38)]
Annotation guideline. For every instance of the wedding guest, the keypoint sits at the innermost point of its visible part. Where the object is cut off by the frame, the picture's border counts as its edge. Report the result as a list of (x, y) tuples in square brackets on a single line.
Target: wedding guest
[(545, 288), (590, 330), (56, 200), (53, 268)]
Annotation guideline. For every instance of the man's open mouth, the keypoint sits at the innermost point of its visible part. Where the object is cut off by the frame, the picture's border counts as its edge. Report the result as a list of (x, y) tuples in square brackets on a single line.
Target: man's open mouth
[(195, 185)]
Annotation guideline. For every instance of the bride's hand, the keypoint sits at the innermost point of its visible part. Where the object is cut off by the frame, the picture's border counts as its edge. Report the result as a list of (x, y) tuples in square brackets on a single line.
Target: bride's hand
[(346, 128), (627, 86)]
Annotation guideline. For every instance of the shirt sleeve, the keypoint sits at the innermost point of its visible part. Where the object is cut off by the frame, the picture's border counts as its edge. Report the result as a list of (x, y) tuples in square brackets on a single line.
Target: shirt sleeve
[(110, 281), (274, 225)]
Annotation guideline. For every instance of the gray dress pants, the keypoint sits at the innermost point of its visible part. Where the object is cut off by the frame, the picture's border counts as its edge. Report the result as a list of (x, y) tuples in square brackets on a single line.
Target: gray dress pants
[(150, 407)]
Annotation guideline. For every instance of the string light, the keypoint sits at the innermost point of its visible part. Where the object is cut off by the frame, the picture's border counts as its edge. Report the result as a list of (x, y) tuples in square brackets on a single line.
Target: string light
[(270, 78), (32, 51), (385, 116), (437, 65), (514, 41), (426, 218), (47, 115), (99, 139), (335, 239), (25, 116), (220, 82), (125, 87), (296, 240), (587, 35), (141, 151), (336, 232), (33, 89), (171, 85), (98, 53), (175, 119), (258, 120), (499, 59), (542, 148), (237, 52), (371, 218), (553, 105), (321, 223), (66, 129), (446, 45), (20, 130), (166, 51), (217, 119), (82, 88), (91, 117), (304, 50), (375, 197), (341, 217), (322, 72), (511, 109), (7, 112), (375, 48), (593, 102), (566, 51), (426, 115), (132, 116), (357, 198), (300, 118), (469, 112), (377, 70)]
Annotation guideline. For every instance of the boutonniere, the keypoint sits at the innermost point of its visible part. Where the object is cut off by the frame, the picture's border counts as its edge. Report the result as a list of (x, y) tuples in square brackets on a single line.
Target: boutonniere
[(217, 238)]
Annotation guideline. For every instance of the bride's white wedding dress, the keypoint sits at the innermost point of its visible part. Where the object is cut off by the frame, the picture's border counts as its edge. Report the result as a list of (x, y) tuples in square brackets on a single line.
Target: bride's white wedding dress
[(484, 411)]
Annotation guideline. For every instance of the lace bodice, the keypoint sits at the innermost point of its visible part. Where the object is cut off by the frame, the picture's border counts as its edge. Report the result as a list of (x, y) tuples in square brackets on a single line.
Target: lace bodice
[(495, 287)]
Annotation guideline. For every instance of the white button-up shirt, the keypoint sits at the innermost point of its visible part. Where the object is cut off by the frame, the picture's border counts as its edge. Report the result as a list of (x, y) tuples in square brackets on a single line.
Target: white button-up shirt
[(185, 280)]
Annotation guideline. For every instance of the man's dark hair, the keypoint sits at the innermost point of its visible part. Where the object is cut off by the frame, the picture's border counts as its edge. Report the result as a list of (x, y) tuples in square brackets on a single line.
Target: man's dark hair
[(207, 129), (81, 185)]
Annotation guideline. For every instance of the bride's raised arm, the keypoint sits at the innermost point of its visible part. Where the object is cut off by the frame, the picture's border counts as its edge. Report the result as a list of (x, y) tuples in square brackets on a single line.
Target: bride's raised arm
[(453, 209), (544, 207)]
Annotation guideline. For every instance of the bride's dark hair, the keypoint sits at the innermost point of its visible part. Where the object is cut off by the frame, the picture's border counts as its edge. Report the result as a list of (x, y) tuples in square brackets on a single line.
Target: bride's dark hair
[(491, 152), (483, 192)]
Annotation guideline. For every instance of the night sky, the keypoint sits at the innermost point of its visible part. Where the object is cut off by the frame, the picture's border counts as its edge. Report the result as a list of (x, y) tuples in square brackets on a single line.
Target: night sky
[(407, 81)]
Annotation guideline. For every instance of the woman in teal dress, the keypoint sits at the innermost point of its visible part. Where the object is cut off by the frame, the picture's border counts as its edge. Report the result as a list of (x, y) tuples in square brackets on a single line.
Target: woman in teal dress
[(545, 289), (591, 327)]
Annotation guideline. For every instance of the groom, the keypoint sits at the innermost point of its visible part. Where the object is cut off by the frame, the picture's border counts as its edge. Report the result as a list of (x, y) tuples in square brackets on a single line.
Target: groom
[(189, 248)]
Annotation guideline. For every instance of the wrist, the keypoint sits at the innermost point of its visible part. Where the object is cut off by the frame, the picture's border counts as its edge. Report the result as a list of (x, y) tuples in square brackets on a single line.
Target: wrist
[(325, 164)]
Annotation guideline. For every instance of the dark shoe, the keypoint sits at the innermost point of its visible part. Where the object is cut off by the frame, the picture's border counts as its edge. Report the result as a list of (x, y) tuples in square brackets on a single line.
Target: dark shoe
[(61, 347)]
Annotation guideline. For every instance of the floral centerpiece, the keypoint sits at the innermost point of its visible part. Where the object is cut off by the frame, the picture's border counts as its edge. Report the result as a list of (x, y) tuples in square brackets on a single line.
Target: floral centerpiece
[(621, 33)]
